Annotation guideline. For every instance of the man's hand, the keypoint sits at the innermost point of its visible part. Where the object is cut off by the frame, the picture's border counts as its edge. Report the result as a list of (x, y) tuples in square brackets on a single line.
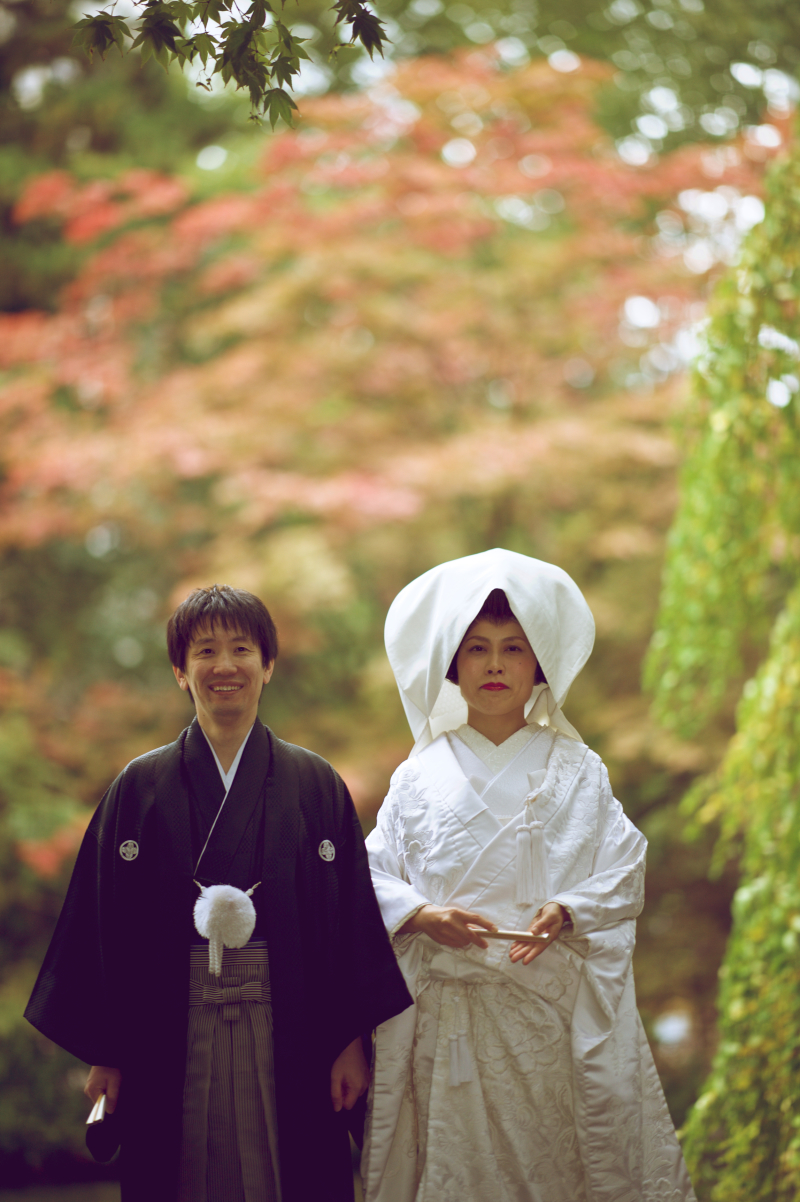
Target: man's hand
[(448, 925), (548, 921), (103, 1079), (349, 1076)]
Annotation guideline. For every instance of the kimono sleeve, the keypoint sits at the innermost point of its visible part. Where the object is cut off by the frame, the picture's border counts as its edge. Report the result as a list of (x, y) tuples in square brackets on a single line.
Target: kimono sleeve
[(366, 965), (604, 908), (72, 1002), (397, 898), (614, 892)]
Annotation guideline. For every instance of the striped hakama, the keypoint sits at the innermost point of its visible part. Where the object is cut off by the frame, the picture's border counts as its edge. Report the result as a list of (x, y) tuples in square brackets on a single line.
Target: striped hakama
[(229, 1149)]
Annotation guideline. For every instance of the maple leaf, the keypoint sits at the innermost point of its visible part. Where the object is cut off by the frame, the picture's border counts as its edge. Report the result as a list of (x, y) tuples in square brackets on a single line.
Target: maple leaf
[(278, 104), (365, 26), (100, 33), (159, 36), (201, 45), (210, 10)]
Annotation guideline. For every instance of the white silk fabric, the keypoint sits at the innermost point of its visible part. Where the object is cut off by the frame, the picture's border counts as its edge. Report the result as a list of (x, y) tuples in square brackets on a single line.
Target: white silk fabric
[(564, 1103), (429, 617)]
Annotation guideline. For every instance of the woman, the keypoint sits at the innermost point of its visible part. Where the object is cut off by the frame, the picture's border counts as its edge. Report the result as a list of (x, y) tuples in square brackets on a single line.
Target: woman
[(522, 1072)]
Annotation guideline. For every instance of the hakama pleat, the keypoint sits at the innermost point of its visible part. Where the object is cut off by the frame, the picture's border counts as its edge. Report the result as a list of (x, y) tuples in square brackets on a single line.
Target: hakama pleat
[(229, 1150)]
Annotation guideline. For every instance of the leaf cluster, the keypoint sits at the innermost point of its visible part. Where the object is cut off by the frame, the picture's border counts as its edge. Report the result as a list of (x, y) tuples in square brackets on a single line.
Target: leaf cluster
[(734, 554), (743, 1136), (734, 547), (255, 51)]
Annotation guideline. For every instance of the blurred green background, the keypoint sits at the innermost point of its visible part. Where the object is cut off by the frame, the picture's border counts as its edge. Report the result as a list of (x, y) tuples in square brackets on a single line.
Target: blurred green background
[(453, 308)]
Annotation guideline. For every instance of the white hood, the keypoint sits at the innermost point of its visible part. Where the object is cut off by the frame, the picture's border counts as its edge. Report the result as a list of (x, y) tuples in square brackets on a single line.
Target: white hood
[(428, 619)]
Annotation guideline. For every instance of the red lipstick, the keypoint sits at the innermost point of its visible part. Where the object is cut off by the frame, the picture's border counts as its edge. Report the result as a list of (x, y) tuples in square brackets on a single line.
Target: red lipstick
[(493, 685)]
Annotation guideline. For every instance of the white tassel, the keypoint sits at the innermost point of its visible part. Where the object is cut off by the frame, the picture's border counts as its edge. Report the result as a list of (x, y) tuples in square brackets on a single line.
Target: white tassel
[(223, 915), (533, 877), (455, 1076), (215, 956), (524, 883), (464, 1059)]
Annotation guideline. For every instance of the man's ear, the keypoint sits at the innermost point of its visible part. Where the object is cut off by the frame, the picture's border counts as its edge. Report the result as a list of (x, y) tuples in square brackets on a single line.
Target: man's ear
[(180, 676), (268, 670)]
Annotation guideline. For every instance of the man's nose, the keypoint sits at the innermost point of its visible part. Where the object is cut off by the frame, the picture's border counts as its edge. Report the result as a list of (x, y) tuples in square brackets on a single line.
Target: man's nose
[(224, 664)]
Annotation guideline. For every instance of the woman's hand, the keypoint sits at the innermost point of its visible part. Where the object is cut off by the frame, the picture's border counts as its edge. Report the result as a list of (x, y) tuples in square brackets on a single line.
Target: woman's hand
[(548, 921), (103, 1079), (349, 1076), (447, 925)]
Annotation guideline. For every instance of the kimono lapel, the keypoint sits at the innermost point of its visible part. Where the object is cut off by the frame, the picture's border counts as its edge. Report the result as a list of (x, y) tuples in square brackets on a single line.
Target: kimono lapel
[(240, 804), (287, 957), (488, 874), (472, 824), (172, 813), (204, 780)]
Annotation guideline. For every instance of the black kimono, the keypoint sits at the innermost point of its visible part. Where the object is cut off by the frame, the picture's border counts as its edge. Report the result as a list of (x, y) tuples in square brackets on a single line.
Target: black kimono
[(113, 989)]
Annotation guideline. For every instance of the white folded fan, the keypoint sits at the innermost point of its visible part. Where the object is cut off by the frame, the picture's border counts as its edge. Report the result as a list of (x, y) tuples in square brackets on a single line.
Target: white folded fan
[(514, 936)]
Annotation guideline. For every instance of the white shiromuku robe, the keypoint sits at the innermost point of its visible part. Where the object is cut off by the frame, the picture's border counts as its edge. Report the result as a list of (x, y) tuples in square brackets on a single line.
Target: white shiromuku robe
[(558, 1098)]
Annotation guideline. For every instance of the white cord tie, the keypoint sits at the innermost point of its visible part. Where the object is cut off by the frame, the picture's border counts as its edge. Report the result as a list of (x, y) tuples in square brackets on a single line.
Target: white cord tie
[(460, 1059), (533, 878)]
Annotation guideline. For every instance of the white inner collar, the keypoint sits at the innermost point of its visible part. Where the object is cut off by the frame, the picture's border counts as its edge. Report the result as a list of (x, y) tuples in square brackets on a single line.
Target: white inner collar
[(227, 777), (495, 758)]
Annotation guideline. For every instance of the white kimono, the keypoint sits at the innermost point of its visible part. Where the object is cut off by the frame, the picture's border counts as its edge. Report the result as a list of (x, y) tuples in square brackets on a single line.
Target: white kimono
[(508, 1082)]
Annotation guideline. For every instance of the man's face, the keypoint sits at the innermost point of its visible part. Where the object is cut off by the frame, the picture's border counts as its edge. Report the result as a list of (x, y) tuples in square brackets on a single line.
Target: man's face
[(225, 673)]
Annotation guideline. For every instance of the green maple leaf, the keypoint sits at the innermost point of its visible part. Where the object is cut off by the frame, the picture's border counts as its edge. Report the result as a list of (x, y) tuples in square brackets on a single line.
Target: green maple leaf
[(159, 35), (366, 28), (203, 45), (210, 10), (277, 104), (100, 33)]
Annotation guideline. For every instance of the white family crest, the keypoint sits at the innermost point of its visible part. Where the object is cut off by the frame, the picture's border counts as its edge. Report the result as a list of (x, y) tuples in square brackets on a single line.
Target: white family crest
[(129, 850), (326, 850)]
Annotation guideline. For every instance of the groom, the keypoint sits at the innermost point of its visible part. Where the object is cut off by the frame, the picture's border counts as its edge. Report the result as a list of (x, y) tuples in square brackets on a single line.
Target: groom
[(250, 1110)]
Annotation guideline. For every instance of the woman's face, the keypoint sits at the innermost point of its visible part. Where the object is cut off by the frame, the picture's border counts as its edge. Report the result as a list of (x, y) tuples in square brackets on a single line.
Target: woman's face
[(496, 668)]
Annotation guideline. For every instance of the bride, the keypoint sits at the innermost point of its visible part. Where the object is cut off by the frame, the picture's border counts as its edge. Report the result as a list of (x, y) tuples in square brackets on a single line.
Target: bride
[(522, 1072)]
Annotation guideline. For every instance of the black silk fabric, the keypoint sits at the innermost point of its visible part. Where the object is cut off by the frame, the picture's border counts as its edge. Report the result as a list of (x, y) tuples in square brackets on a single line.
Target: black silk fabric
[(113, 988)]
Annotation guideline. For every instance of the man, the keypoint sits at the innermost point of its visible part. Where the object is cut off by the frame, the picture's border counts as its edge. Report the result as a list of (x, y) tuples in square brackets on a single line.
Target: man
[(230, 1087)]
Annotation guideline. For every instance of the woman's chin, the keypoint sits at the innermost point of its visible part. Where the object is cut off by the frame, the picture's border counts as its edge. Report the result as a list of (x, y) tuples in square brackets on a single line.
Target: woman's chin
[(495, 704)]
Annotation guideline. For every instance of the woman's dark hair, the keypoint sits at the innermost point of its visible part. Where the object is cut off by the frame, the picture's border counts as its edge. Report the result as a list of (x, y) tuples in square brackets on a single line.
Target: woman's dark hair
[(496, 610), (220, 605)]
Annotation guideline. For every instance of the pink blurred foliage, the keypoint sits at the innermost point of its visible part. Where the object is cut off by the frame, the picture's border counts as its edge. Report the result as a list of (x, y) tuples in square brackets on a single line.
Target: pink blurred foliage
[(354, 211)]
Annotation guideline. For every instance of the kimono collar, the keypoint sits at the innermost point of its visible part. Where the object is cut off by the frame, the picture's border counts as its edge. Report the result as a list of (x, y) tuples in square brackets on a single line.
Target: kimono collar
[(208, 792), (430, 616)]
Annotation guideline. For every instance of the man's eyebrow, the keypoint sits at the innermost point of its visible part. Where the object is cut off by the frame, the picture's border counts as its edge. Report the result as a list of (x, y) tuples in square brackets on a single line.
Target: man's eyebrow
[(233, 638)]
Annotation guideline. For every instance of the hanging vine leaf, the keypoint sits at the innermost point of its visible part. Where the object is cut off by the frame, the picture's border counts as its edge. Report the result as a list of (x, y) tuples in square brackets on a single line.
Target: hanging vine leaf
[(733, 561)]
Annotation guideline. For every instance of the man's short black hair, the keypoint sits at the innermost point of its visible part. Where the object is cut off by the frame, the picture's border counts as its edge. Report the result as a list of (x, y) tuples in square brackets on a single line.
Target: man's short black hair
[(496, 610), (220, 605)]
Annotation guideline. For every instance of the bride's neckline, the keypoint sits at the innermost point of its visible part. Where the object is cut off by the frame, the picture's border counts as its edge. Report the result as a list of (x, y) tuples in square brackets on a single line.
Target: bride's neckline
[(493, 755)]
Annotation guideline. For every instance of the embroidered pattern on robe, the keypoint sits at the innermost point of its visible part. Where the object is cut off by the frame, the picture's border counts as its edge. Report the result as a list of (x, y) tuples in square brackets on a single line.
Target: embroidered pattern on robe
[(437, 841)]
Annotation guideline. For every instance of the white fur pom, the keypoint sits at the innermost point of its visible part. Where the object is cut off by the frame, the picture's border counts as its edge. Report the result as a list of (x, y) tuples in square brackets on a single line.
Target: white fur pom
[(225, 916)]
